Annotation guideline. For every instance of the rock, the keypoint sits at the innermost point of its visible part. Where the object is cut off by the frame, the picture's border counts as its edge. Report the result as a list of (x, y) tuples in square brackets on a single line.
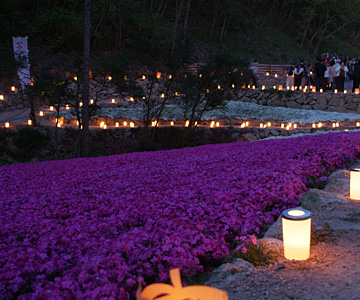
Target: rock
[(273, 245), (318, 106), (315, 199), (337, 109), (249, 137), (334, 101), (237, 266), (341, 174), (351, 106), (245, 99), (338, 186), (274, 132), (275, 231), (293, 104), (278, 103), (322, 100), (235, 136)]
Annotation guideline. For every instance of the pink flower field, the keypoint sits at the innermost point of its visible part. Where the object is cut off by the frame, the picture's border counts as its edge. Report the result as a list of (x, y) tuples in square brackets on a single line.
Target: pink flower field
[(88, 228)]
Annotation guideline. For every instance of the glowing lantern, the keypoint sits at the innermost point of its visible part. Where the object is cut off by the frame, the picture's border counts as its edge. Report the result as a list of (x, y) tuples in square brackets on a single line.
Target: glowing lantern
[(276, 75), (345, 91), (7, 125), (242, 125), (282, 125), (109, 78), (81, 104), (13, 88), (176, 291), (212, 124), (102, 124), (247, 123), (263, 87), (313, 125), (132, 124), (75, 78), (261, 125), (313, 89), (217, 124), (357, 124), (51, 108), (333, 125), (105, 126), (274, 87), (269, 124), (295, 126), (170, 76), (117, 124), (91, 101), (253, 87), (162, 95), (172, 123), (131, 99), (357, 91), (337, 124), (29, 122), (296, 226), (125, 123), (41, 113), (292, 88), (1, 97), (77, 123), (320, 125), (248, 86), (355, 184), (59, 125), (158, 75), (143, 77), (288, 87), (290, 124), (280, 87), (67, 107), (187, 123), (321, 90), (335, 91), (219, 87), (112, 100), (200, 75), (233, 85), (125, 77), (267, 73)]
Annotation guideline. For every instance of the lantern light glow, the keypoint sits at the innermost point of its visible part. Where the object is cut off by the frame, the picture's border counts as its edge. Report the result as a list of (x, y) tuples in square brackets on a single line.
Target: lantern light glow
[(296, 225)]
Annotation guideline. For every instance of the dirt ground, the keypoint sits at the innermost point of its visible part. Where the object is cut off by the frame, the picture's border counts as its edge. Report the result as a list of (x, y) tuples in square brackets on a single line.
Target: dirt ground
[(331, 272)]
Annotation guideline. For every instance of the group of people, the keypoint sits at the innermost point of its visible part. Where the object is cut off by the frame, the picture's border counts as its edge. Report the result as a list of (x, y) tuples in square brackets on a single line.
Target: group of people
[(329, 73)]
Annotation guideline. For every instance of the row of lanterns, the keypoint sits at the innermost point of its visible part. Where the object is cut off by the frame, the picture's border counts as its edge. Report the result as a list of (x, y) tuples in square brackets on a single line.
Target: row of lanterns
[(293, 88)]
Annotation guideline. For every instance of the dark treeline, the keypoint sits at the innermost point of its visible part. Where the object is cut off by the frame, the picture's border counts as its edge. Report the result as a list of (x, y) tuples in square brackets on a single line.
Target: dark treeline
[(117, 25)]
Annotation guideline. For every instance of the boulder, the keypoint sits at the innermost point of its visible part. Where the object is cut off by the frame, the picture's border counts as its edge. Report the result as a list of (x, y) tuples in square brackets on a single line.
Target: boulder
[(322, 100), (275, 231), (315, 199), (319, 106), (341, 174), (274, 132), (293, 104), (334, 101), (250, 137), (275, 246), (351, 106), (337, 109), (338, 186)]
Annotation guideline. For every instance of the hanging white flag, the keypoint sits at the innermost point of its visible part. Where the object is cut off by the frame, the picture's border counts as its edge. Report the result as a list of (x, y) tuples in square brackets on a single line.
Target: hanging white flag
[(22, 56)]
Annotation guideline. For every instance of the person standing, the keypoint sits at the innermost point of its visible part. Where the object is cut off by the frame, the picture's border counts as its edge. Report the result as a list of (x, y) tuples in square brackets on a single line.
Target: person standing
[(298, 73), (335, 74), (356, 75), (340, 79), (319, 70)]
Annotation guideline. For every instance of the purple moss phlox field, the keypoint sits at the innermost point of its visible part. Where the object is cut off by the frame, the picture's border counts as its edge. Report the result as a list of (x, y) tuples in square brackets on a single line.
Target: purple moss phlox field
[(87, 228)]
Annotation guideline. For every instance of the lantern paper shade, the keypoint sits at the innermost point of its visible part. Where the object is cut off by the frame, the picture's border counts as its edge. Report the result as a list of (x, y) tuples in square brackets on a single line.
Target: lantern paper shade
[(355, 184), (296, 225)]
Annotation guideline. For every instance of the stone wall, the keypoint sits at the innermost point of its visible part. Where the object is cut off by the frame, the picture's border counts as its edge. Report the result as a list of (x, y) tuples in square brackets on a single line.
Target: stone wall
[(328, 101)]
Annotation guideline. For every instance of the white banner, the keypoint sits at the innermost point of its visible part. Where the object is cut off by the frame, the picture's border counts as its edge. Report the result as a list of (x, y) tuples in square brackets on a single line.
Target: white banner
[(22, 55)]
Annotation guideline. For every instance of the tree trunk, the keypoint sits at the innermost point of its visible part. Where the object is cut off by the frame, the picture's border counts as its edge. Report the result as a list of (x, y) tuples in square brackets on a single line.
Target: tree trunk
[(86, 65), (179, 7)]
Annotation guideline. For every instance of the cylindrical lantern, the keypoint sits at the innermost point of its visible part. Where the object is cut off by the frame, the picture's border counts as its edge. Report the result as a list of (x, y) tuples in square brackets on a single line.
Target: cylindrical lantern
[(355, 184), (296, 225)]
